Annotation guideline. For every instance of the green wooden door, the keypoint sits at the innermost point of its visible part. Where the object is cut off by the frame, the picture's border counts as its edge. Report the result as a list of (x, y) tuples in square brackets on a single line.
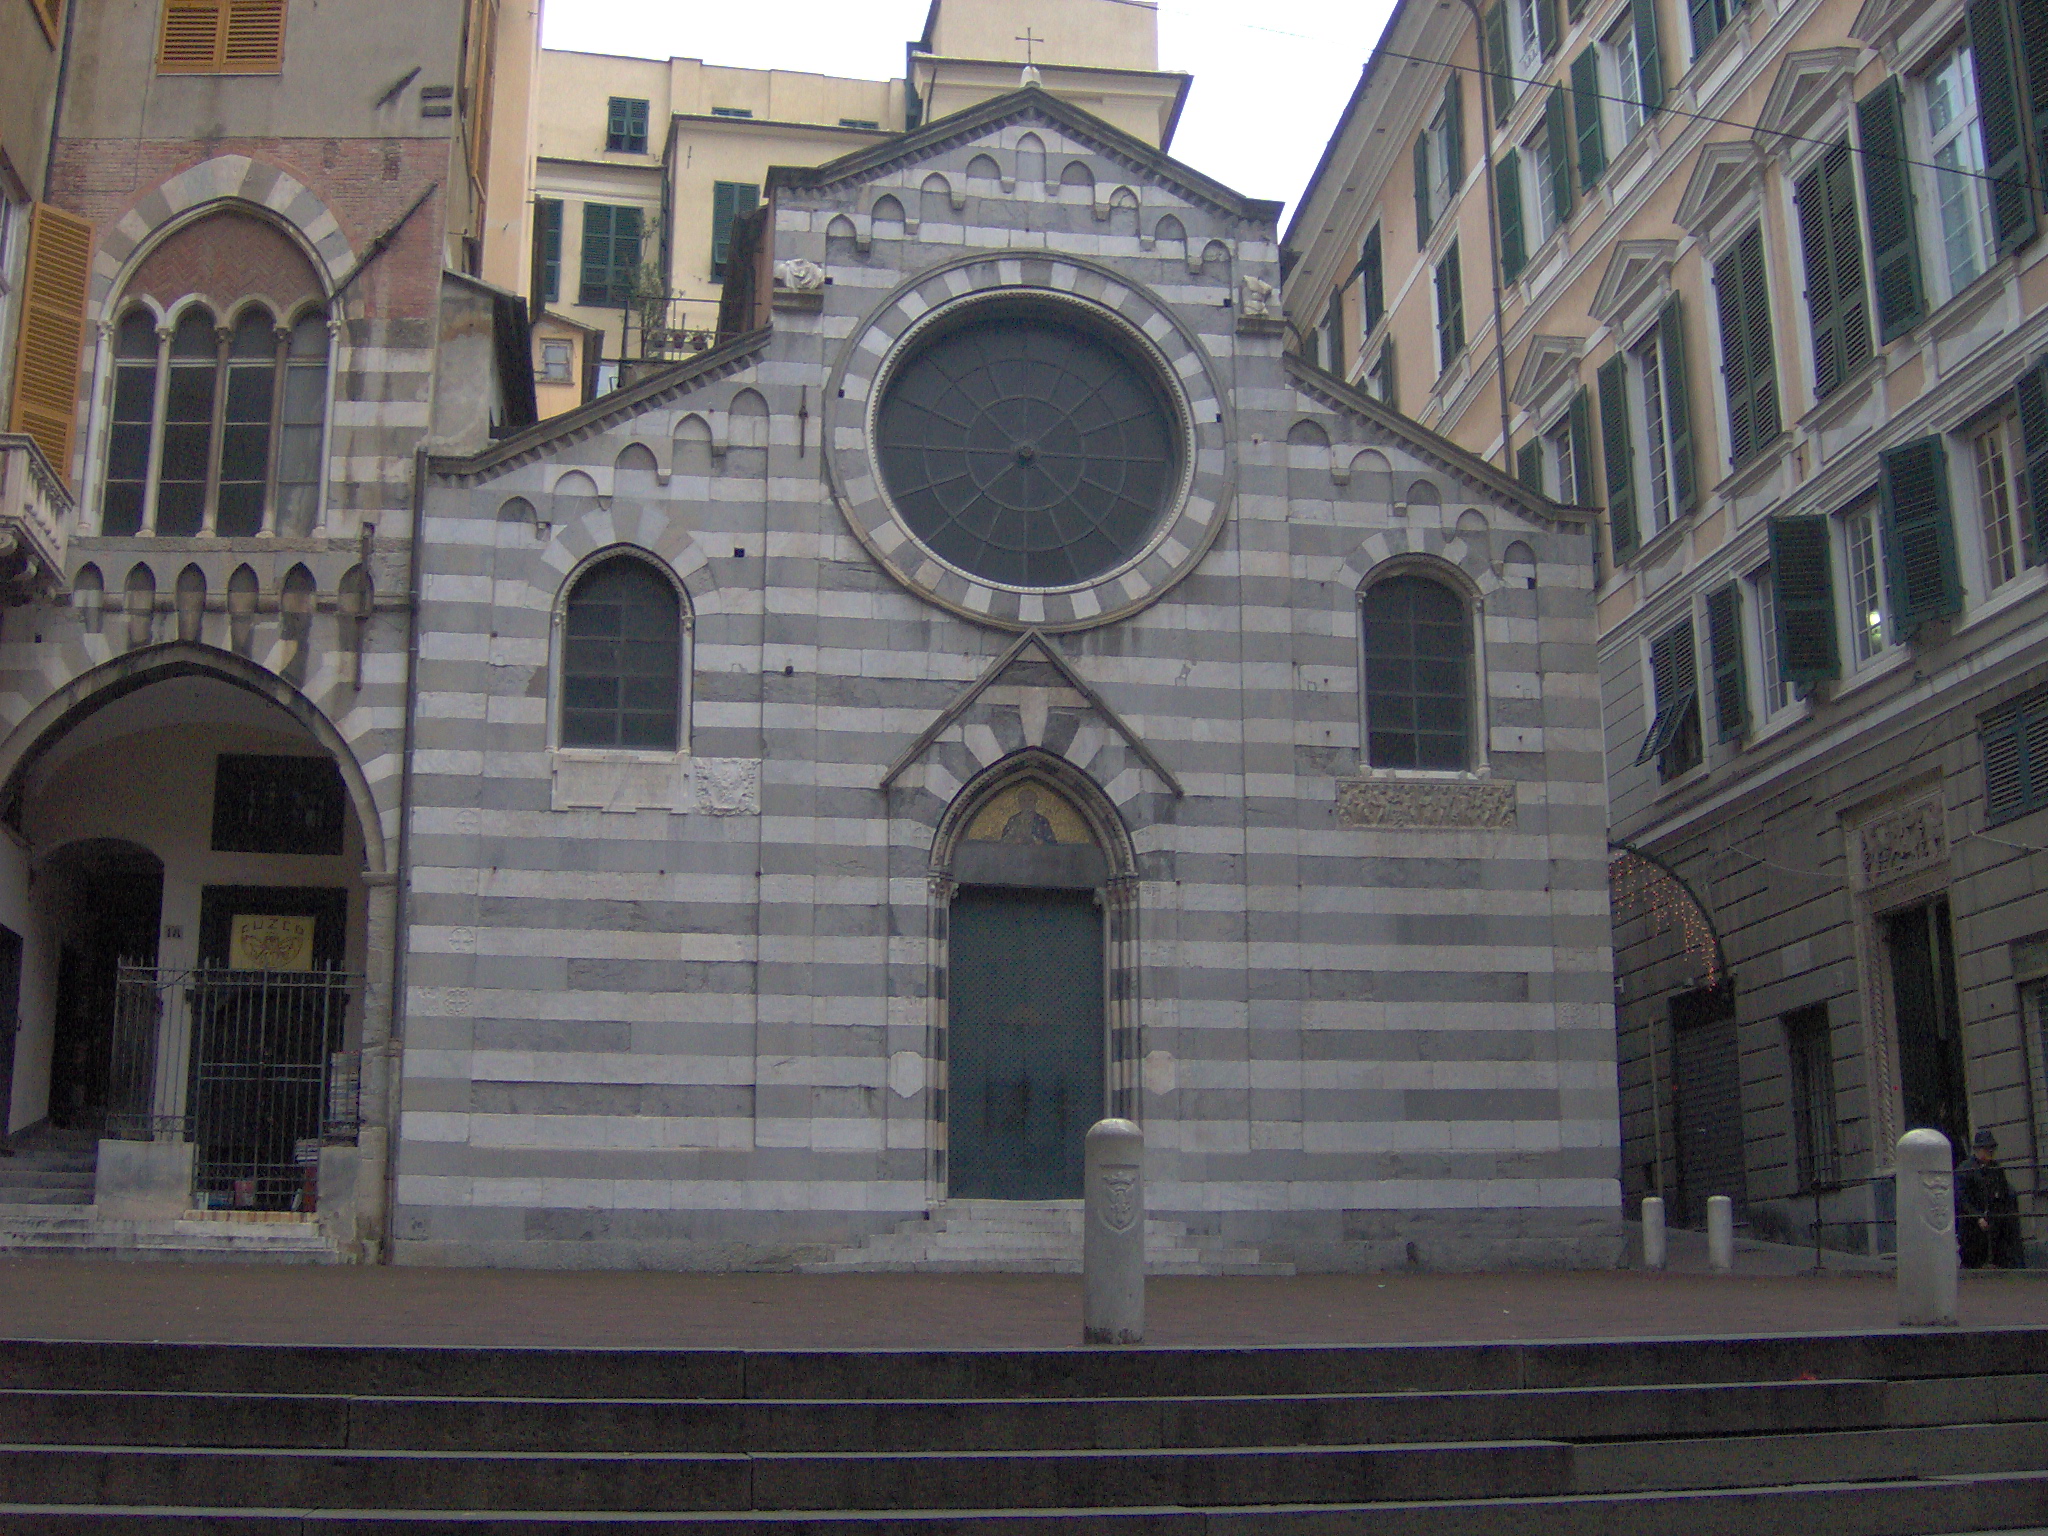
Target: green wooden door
[(1025, 1042)]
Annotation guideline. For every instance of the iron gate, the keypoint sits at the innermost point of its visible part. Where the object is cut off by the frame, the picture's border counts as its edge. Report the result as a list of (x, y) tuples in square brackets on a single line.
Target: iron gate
[(265, 1077)]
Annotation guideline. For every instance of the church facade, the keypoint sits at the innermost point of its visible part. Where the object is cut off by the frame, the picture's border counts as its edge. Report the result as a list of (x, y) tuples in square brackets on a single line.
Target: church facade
[(997, 687)]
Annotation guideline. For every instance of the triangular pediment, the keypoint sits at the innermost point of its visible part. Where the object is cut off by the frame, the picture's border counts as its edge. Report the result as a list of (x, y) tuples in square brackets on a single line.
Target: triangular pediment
[(1807, 85), (1548, 360), (1720, 173), (1634, 266), (1030, 105), (1061, 684)]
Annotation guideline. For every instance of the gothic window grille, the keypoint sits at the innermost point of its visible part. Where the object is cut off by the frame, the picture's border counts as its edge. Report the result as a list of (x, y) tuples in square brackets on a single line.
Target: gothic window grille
[(622, 659), (1418, 675)]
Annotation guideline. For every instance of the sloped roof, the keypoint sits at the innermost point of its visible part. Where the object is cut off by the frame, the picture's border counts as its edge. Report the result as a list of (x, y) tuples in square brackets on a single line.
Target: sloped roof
[(1029, 104), (606, 410), (1446, 454)]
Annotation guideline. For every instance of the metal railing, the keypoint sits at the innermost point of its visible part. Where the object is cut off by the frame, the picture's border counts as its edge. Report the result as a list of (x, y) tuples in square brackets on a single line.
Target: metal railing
[(246, 1065), (668, 328)]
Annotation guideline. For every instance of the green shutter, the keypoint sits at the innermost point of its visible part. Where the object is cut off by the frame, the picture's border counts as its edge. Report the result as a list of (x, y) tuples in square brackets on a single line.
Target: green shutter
[(1674, 680), (1888, 194), (1581, 489), (1497, 67), (1586, 114), (595, 285), (1372, 294), (730, 201), (1919, 535), (1450, 308), (1724, 655), (1677, 411), (1748, 364), (1833, 248), (2032, 394), (1649, 62), (1422, 220), (1803, 591), (2002, 124), (1546, 26), (2031, 30), (1529, 464), (1557, 133), (1620, 458), (547, 250), (1507, 181), (1706, 25), (1454, 131)]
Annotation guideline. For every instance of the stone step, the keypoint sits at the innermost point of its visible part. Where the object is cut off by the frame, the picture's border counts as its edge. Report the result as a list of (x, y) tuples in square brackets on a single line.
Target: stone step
[(1602, 1414), (2016, 1504), (1906, 1359), (45, 1194)]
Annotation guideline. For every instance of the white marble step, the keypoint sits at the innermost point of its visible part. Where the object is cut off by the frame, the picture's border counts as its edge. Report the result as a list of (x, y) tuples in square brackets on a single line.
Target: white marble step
[(997, 1236)]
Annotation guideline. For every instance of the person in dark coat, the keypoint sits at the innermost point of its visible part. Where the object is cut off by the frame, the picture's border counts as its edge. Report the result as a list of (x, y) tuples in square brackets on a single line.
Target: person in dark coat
[(1987, 1211)]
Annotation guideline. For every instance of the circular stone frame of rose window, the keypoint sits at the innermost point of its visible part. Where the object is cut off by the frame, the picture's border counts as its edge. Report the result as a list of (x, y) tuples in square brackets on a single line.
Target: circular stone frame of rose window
[(1155, 339)]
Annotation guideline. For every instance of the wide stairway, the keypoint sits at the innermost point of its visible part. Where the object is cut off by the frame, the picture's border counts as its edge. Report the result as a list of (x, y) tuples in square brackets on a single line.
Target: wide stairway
[(1031, 1237), (1831, 1435)]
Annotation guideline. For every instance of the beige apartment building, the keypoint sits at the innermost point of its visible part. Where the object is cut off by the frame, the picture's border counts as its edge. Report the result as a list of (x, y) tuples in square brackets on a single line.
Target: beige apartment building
[(642, 167), (1764, 282)]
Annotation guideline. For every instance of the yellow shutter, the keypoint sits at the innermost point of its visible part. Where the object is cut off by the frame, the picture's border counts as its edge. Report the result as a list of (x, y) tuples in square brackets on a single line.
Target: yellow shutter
[(192, 36), (222, 37), (52, 327), (255, 39)]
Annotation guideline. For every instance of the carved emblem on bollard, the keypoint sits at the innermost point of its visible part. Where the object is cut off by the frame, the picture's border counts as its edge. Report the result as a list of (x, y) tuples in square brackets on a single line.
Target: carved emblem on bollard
[(1937, 1201), (1119, 1197)]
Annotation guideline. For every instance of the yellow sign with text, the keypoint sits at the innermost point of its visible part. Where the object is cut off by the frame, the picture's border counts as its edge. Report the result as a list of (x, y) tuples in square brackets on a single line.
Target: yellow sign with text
[(263, 941)]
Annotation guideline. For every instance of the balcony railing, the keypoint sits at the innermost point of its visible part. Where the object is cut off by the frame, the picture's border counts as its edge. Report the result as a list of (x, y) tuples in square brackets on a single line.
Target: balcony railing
[(668, 328), (34, 506)]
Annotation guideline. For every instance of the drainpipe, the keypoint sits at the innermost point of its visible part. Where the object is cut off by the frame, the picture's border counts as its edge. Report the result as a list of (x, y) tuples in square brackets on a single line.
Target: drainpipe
[(1500, 335), (57, 102)]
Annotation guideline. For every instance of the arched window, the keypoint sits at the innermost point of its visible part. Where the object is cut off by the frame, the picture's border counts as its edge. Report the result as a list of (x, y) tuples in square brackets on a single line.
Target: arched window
[(216, 429), (622, 659), (1418, 675)]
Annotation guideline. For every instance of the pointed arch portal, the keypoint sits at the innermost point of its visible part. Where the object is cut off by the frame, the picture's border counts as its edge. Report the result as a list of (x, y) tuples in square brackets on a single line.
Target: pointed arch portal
[(1036, 908)]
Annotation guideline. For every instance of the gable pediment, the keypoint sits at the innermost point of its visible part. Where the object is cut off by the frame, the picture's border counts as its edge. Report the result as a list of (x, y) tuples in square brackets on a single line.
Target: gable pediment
[(1635, 268), (1721, 175), (991, 121), (1549, 361), (1808, 86)]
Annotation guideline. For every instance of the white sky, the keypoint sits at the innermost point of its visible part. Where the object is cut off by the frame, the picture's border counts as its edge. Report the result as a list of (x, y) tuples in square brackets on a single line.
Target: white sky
[(1269, 81)]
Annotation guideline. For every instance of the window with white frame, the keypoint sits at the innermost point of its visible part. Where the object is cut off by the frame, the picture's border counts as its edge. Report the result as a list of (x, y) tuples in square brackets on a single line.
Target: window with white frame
[(1651, 384), (1622, 78), (2000, 492), (1773, 692), (558, 362), (1560, 463), (1863, 569), (1543, 167), (1953, 173), (1379, 378), (1527, 25), (1441, 139)]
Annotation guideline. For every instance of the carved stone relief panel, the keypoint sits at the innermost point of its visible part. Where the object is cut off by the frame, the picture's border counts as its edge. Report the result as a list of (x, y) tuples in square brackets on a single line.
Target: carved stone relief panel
[(1398, 803)]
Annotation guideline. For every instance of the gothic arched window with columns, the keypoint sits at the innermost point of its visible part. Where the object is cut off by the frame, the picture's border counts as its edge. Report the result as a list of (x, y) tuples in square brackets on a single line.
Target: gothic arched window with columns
[(217, 406)]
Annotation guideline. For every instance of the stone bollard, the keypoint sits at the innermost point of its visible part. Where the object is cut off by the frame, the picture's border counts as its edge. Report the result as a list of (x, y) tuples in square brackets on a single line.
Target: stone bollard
[(1720, 1234), (1653, 1232), (1927, 1229), (1113, 1235)]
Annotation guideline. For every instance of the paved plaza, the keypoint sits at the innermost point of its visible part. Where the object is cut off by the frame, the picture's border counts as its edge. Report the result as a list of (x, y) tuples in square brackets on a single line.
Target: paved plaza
[(84, 1299)]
